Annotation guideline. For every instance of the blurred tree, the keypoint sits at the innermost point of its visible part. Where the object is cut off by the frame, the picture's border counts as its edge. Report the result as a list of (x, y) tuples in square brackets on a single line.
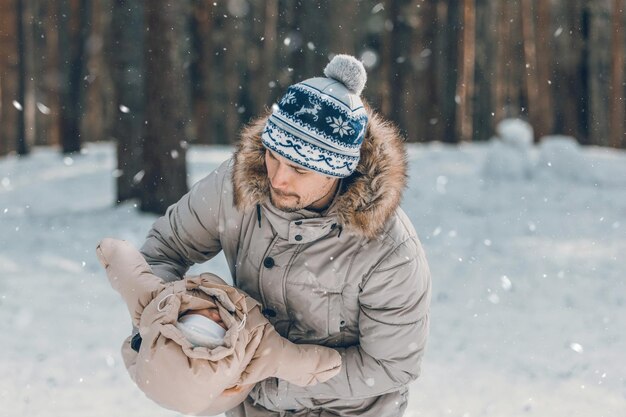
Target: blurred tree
[(422, 97), (22, 145), (449, 29), (486, 39), (599, 70), (530, 63), (465, 85), (166, 54), (10, 106), (557, 63), (617, 132), (202, 70), (73, 32), (544, 54), (125, 58), (45, 72)]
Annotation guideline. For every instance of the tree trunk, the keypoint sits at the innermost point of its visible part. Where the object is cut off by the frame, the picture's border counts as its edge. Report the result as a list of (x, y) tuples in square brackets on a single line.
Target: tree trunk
[(96, 120), (545, 57), (617, 134), (45, 71), (125, 55), (232, 79), (447, 64), (465, 85), (426, 113), (483, 125), (167, 105), (203, 69), (9, 78), (599, 64), (72, 30), (21, 146), (530, 64)]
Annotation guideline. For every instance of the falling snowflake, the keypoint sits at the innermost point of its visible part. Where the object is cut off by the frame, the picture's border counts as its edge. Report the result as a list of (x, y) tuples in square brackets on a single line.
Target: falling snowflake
[(339, 125), (576, 347), (288, 98)]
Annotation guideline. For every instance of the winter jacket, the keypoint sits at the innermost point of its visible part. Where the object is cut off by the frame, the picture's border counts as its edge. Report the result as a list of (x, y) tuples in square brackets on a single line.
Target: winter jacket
[(354, 277), (187, 378)]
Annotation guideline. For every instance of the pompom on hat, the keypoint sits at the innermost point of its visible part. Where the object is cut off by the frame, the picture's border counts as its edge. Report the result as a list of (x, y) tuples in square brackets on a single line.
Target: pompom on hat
[(320, 123)]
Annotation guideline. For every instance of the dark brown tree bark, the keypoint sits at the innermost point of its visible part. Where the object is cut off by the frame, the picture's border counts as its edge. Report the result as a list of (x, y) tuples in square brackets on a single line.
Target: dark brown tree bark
[(502, 62), (125, 59), (617, 134), (465, 85), (73, 30), (544, 52), (423, 119), (46, 74), (232, 78), (97, 117), (449, 29), (571, 30), (202, 70), (9, 78), (599, 67), (530, 63), (167, 105), (486, 39), (22, 145)]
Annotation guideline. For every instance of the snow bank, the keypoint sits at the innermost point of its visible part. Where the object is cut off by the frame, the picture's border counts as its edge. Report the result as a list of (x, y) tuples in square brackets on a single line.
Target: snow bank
[(529, 296)]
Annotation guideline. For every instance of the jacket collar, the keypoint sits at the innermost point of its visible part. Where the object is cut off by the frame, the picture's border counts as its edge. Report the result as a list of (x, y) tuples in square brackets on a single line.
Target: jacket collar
[(366, 199)]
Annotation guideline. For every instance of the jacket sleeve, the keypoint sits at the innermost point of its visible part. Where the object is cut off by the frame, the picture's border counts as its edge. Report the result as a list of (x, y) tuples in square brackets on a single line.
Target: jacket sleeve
[(393, 328), (189, 232)]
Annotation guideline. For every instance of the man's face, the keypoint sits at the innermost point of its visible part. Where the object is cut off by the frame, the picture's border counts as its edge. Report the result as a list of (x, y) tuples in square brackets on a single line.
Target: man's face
[(293, 188)]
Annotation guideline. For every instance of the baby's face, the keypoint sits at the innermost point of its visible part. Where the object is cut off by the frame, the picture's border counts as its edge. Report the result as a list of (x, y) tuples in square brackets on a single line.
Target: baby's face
[(210, 313)]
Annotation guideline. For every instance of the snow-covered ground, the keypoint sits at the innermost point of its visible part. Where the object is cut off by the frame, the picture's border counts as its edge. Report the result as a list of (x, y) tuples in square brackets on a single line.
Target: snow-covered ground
[(526, 247)]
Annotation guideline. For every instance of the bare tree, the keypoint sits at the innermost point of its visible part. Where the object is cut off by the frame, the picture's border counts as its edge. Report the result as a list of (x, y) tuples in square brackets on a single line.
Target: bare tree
[(465, 85), (22, 145), (617, 134), (125, 58), (544, 54), (73, 30), (599, 63), (167, 104), (10, 107), (202, 70)]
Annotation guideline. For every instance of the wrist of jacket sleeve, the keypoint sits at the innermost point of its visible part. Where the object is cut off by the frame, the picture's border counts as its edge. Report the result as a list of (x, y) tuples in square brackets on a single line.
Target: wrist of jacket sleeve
[(268, 394)]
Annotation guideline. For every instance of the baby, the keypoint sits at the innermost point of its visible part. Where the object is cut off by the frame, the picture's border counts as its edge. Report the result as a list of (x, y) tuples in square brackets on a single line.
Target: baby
[(202, 344)]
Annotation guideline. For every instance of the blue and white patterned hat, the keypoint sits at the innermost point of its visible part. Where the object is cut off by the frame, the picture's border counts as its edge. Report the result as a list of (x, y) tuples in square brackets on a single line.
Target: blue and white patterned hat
[(320, 123)]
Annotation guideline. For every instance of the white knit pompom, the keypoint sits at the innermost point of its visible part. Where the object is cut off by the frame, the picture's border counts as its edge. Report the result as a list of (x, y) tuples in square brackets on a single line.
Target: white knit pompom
[(349, 71)]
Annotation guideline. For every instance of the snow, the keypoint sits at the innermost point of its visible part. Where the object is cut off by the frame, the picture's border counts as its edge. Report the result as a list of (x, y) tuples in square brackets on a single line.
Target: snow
[(529, 297)]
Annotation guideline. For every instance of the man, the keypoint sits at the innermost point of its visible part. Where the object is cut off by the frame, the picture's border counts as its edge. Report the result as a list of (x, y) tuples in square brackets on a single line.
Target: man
[(307, 214)]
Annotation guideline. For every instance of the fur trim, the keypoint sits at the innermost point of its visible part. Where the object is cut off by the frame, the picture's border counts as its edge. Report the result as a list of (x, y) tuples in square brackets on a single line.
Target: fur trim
[(369, 196)]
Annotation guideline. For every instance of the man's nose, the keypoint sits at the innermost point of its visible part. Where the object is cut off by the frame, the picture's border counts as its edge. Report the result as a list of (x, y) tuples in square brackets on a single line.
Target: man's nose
[(281, 177)]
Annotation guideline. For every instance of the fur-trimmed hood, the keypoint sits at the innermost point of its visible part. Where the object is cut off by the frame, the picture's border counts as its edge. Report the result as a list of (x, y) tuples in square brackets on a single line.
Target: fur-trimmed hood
[(367, 198)]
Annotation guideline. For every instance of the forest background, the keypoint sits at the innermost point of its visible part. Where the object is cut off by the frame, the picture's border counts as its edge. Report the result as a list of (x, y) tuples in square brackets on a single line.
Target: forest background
[(156, 76)]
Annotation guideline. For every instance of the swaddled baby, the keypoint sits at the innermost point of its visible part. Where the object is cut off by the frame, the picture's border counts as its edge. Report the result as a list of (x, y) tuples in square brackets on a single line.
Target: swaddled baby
[(199, 337)]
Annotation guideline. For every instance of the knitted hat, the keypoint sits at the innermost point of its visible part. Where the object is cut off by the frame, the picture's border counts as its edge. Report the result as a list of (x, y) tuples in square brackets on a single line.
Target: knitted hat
[(320, 123)]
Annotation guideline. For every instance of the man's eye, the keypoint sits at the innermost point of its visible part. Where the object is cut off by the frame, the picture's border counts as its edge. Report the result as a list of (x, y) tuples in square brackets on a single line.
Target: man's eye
[(300, 172)]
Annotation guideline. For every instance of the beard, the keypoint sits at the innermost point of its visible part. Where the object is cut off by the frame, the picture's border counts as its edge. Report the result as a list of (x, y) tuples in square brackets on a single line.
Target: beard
[(284, 206)]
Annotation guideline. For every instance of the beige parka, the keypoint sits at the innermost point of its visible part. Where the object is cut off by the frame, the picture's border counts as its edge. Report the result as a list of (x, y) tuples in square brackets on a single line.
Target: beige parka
[(354, 278), (190, 379)]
